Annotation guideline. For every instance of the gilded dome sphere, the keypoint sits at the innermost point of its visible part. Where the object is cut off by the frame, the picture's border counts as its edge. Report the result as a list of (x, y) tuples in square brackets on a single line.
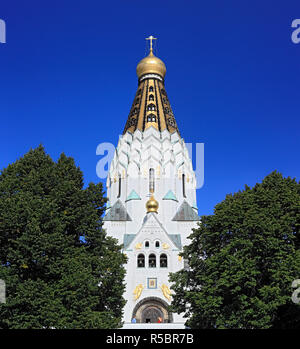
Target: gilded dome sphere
[(151, 65), (152, 205)]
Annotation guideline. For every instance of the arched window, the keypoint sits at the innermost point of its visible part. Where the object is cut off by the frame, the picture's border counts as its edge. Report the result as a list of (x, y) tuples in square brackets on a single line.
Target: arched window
[(147, 244), (151, 118), (157, 244), (141, 261), (163, 261), (151, 107), (151, 97), (134, 111), (152, 261), (151, 89)]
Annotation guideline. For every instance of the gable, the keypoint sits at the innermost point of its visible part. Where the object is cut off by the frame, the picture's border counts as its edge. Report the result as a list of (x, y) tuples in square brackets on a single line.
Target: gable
[(176, 238), (127, 240), (117, 213), (170, 196), (133, 196), (152, 228), (186, 213)]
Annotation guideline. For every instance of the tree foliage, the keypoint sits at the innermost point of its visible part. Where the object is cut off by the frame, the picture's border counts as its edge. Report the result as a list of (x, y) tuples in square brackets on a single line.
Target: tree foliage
[(242, 260), (54, 278)]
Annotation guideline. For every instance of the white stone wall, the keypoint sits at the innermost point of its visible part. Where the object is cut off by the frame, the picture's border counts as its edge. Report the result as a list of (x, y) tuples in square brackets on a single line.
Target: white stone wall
[(167, 154)]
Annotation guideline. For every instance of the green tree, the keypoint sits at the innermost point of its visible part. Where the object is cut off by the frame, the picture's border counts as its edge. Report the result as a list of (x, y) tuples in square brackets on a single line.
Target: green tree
[(242, 260), (60, 268)]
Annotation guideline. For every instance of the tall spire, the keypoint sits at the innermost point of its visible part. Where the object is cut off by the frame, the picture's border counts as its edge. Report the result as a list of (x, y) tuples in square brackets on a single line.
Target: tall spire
[(151, 106)]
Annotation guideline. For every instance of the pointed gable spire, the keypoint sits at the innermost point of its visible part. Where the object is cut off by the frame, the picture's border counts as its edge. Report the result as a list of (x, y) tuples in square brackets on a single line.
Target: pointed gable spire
[(186, 213), (117, 213), (170, 196), (151, 106), (133, 196)]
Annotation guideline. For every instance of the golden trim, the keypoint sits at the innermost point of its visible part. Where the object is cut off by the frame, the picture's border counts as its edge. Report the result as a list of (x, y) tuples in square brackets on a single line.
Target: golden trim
[(138, 291), (166, 291), (138, 246), (165, 246)]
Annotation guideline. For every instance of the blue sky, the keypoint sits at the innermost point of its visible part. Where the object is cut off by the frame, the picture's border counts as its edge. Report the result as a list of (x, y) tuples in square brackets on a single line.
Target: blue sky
[(67, 80)]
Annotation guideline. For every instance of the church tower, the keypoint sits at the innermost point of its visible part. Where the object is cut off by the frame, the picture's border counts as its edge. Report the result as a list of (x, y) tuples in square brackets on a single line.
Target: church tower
[(151, 189)]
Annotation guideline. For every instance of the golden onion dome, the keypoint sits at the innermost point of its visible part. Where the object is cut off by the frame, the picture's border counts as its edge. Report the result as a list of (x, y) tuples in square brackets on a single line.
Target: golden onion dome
[(152, 205), (151, 65)]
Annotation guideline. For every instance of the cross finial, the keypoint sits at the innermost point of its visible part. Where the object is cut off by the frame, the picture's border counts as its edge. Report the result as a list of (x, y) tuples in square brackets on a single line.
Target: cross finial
[(151, 38)]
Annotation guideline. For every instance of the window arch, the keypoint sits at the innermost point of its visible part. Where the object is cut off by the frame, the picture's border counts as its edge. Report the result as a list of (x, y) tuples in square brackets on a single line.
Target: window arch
[(163, 261), (134, 111), (141, 261), (157, 244), (152, 260), (167, 110), (151, 118), (147, 244), (151, 107), (151, 97), (151, 89)]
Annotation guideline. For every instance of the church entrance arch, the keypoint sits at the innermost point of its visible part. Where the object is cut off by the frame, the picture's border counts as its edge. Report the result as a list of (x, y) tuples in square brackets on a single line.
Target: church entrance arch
[(150, 310)]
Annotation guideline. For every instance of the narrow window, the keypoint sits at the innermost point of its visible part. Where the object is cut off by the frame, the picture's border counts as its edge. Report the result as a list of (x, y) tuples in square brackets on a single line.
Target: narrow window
[(151, 118), (183, 185), (151, 180), (151, 107), (163, 261), (157, 244), (151, 89), (151, 97), (120, 183), (147, 244), (141, 261), (152, 261)]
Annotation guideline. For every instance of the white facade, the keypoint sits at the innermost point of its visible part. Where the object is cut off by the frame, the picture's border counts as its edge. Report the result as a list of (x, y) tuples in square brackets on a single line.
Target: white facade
[(162, 234)]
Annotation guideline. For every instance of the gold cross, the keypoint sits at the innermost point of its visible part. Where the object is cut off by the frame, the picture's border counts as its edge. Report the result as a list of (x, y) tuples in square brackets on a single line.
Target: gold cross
[(151, 38)]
